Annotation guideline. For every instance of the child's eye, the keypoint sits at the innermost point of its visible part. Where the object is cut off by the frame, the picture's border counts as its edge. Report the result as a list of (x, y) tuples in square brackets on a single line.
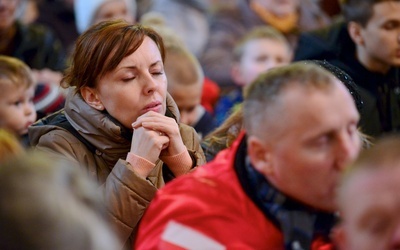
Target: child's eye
[(17, 103)]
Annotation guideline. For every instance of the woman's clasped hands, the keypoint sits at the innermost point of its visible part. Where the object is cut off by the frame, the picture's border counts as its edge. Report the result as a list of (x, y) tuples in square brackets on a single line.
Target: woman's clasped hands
[(156, 136)]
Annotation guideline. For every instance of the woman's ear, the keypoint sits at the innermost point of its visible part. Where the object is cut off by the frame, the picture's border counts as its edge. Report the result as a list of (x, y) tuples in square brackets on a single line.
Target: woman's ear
[(91, 97), (260, 156)]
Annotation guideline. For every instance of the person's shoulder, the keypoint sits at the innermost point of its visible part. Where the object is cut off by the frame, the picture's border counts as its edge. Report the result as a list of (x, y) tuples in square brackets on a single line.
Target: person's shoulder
[(324, 43), (46, 132), (207, 182), (207, 201)]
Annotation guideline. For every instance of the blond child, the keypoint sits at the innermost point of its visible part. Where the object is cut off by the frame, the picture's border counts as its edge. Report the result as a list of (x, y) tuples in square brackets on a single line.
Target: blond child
[(17, 111), (259, 50), (185, 83)]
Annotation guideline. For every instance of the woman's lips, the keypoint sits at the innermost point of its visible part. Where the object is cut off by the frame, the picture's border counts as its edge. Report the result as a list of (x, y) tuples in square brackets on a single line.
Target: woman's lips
[(154, 106)]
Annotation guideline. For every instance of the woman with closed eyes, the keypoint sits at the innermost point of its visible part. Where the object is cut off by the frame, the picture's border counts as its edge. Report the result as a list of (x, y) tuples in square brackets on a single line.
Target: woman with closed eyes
[(119, 122)]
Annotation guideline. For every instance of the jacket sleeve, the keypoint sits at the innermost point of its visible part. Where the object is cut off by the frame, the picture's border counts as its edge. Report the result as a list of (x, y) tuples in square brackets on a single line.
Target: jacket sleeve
[(125, 194), (181, 216)]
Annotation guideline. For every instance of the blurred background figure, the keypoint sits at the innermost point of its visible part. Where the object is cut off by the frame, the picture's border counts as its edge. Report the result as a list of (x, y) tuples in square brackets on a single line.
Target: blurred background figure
[(230, 21), (369, 199), (89, 12), (55, 16), (260, 49), (330, 7), (9, 145), (189, 20), (60, 17), (50, 204), (365, 43), (185, 83), (39, 48)]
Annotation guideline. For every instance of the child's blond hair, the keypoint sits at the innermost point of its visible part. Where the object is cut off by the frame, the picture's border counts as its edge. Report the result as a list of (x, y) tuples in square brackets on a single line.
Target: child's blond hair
[(182, 66), (14, 71), (259, 32)]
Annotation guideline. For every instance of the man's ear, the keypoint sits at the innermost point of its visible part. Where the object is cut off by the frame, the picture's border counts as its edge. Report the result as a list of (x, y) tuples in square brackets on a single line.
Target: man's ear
[(355, 32), (91, 97), (260, 155)]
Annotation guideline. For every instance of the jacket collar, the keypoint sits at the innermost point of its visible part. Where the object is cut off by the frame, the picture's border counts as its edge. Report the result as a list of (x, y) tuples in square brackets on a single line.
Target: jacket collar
[(99, 128)]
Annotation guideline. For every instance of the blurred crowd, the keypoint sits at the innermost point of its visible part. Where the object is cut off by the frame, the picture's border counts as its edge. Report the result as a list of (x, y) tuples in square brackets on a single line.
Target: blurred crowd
[(199, 124)]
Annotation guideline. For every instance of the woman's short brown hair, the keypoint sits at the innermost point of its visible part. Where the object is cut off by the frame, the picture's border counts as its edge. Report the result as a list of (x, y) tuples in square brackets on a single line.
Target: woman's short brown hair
[(101, 48)]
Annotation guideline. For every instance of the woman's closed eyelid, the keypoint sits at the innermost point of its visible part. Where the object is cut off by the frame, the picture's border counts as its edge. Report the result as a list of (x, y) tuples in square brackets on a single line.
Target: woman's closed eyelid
[(128, 79), (157, 71)]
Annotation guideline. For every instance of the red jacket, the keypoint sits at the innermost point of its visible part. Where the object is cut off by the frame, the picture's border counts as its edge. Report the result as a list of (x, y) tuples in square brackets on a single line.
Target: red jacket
[(208, 209)]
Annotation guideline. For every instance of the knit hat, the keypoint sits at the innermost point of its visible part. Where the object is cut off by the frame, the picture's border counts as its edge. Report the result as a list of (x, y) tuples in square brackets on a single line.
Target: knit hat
[(344, 78), (85, 11), (48, 99)]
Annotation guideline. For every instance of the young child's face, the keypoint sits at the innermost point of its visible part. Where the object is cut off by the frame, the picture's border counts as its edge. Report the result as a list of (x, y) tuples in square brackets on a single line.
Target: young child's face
[(17, 111), (259, 56), (187, 99)]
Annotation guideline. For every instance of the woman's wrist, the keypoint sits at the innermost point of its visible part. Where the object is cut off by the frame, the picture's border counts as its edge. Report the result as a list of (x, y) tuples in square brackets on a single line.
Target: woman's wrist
[(179, 164), (140, 166)]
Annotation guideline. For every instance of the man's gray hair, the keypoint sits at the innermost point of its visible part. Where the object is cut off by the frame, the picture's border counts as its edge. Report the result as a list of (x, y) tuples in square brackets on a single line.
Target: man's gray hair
[(261, 96)]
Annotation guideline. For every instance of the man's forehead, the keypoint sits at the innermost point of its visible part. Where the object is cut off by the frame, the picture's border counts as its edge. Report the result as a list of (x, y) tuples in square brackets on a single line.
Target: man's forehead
[(318, 104), (385, 11)]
